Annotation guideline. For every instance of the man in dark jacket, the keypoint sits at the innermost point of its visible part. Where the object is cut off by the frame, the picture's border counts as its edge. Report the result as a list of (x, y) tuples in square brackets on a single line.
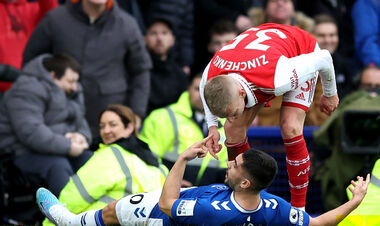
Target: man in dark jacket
[(167, 80), (42, 120), (180, 14), (109, 46)]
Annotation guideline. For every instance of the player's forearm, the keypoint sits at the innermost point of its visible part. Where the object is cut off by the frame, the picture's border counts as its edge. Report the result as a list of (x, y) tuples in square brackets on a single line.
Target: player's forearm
[(171, 190), (325, 66), (333, 217)]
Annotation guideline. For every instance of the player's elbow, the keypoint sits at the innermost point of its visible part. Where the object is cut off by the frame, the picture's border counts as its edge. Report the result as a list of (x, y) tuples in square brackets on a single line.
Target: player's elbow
[(165, 206)]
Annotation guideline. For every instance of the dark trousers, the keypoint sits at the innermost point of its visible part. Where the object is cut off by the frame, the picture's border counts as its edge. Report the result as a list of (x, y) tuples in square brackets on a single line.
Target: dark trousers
[(53, 170)]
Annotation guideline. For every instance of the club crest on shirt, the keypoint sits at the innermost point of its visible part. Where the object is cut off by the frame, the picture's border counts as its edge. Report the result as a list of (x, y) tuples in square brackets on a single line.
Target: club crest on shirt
[(293, 216)]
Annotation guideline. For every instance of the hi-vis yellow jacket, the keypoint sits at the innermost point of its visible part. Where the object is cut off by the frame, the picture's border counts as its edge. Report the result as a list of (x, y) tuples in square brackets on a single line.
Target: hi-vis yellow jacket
[(368, 212), (110, 174), (169, 131)]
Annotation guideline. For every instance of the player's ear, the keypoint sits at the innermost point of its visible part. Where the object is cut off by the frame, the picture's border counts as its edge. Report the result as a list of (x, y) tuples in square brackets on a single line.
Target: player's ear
[(242, 92), (245, 183)]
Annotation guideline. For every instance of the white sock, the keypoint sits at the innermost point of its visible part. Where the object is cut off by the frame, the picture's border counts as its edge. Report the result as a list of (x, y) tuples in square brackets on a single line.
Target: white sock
[(64, 217)]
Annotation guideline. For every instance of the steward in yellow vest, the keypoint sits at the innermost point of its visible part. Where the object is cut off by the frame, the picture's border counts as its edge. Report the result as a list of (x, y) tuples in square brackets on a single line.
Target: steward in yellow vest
[(114, 171), (368, 212), (169, 131)]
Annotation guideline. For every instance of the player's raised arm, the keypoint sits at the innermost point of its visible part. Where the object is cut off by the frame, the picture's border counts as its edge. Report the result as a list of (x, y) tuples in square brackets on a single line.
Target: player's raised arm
[(172, 186), (211, 119), (333, 217)]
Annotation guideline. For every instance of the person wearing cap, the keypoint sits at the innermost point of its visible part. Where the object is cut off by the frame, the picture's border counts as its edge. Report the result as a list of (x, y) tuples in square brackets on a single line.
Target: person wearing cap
[(167, 80)]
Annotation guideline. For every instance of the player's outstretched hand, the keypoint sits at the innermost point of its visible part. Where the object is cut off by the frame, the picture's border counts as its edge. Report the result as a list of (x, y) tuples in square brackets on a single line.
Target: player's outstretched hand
[(329, 104), (359, 189), (213, 144), (196, 150)]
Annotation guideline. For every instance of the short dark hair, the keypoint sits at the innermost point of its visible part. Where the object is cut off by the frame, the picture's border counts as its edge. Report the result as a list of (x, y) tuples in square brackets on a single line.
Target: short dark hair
[(223, 26), (324, 18), (58, 63), (261, 167), (153, 21)]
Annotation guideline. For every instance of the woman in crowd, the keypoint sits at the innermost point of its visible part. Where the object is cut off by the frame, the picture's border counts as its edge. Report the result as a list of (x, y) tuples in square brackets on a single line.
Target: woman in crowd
[(122, 165)]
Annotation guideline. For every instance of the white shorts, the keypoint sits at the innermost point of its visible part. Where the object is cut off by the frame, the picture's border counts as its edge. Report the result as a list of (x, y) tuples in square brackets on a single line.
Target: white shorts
[(135, 209), (303, 96)]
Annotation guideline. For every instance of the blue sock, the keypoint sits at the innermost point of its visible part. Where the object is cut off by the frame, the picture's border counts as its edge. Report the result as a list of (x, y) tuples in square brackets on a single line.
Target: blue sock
[(98, 218)]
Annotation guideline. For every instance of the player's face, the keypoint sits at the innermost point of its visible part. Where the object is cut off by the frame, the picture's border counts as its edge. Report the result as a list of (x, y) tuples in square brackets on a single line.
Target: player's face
[(327, 36), (234, 172), (235, 109), (159, 38), (112, 128), (219, 40), (68, 82), (195, 97)]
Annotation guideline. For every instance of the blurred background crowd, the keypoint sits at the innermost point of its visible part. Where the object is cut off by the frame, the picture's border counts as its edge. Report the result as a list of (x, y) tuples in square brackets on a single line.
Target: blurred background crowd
[(99, 97)]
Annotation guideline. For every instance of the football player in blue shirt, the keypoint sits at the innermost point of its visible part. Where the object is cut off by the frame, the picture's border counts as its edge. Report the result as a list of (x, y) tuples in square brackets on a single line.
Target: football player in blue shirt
[(241, 201)]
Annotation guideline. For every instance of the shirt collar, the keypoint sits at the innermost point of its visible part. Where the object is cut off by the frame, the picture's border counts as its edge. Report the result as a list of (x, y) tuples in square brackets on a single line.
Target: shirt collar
[(251, 97)]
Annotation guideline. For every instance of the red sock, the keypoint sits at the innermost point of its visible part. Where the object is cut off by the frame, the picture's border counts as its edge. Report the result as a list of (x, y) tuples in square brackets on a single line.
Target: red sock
[(298, 165), (234, 149)]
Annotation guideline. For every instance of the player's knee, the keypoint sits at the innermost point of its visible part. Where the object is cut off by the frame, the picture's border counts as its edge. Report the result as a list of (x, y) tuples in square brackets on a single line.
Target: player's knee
[(109, 214), (290, 129)]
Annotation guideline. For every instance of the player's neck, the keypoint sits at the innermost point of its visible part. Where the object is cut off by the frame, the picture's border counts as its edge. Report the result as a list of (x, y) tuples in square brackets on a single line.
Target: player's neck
[(246, 200)]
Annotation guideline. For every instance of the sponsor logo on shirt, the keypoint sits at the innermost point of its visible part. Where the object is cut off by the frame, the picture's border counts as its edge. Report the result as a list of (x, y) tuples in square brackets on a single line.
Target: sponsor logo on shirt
[(220, 187), (294, 80), (186, 208)]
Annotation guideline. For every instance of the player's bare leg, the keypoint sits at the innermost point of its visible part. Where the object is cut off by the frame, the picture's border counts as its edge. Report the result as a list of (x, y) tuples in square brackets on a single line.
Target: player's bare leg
[(297, 156), (109, 214)]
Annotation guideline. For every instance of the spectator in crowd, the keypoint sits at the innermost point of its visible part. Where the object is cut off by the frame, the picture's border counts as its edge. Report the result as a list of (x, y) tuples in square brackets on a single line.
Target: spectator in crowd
[(19, 17), (167, 79), (326, 33), (370, 80), (240, 202), (280, 12), (109, 46), (42, 120), (122, 165), (180, 14), (170, 130), (366, 20), (337, 166), (208, 13), (340, 10), (222, 32)]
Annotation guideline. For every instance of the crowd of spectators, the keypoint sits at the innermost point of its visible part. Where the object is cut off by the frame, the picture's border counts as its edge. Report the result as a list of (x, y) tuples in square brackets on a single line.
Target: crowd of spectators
[(65, 65)]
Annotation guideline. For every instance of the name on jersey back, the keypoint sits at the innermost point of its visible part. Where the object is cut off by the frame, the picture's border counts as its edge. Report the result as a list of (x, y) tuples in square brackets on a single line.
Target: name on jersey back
[(239, 66)]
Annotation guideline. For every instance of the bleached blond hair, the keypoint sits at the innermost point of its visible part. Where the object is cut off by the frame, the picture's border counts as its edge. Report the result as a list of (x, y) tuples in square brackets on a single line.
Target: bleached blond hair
[(219, 94)]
